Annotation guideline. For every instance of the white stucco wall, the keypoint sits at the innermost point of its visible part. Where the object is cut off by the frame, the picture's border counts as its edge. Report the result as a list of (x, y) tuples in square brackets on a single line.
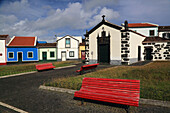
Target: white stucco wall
[(145, 31), (2, 51), (135, 41), (48, 50), (74, 46), (67, 53), (115, 43)]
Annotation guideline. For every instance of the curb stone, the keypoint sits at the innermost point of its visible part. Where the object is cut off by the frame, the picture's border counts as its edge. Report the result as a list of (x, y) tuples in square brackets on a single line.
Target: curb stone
[(142, 100), (7, 76), (64, 90)]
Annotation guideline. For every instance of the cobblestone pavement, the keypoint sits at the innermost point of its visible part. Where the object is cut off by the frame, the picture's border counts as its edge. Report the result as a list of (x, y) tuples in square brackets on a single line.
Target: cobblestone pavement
[(23, 92)]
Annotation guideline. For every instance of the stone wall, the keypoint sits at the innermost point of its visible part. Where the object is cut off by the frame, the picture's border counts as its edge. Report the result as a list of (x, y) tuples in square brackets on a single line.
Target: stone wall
[(125, 47), (161, 50)]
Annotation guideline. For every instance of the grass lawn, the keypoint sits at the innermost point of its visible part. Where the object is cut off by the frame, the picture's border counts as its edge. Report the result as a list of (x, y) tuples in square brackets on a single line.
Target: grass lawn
[(28, 67), (154, 77)]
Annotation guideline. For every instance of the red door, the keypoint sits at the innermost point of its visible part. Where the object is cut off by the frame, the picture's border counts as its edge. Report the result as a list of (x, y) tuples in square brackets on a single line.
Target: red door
[(83, 55)]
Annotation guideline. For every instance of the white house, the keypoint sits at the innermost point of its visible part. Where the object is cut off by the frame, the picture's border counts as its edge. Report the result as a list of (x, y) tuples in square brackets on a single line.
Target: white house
[(68, 47), (147, 29), (113, 44), (4, 39), (164, 31)]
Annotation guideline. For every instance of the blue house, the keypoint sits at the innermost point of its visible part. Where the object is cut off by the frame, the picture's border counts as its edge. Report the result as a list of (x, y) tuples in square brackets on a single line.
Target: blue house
[(22, 49)]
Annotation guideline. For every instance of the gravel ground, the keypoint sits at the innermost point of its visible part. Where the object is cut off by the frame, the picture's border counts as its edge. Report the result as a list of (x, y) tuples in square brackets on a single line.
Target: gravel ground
[(23, 93)]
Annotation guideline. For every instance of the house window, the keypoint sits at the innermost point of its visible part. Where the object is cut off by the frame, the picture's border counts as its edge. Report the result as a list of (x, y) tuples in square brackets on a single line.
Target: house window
[(0, 54), (67, 42), (52, 54), (151, 33), (10, 54), (166, 35), (30, 54), (71, 53)]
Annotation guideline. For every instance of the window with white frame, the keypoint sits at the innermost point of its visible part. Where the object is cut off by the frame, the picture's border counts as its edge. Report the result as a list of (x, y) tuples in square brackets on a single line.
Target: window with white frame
[(71, 53), (166, 35), (10, 54), (67, 42), (30, 55)]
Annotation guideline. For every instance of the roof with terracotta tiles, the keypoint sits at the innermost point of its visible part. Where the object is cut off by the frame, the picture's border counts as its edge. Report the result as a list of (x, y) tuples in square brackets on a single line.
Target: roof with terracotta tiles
[(142, 25), (22, 41)]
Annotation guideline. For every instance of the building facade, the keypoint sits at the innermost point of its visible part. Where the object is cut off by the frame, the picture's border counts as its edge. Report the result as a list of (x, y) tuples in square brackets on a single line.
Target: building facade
[(146, 29), (47, 51), (113, 44), (22, 49), (82, 51), (68, 47), (4, 39)]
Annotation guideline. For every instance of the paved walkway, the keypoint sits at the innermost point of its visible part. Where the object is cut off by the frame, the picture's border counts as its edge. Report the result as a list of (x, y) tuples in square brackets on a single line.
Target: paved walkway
[(23, 92)]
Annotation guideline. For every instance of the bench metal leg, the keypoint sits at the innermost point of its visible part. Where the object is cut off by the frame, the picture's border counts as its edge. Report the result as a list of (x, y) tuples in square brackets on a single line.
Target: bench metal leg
[(127, 108), (82, 101), (81, 72)]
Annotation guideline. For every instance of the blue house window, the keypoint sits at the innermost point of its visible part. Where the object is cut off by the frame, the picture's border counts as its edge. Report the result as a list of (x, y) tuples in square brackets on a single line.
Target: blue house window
[(10, 54), (67, 42), (30, 55)]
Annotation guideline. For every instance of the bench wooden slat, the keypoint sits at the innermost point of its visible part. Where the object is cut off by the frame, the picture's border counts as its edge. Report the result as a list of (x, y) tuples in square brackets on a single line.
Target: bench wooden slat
[(90, 65), (106, 79), (112, 96), (120, 91), (112, 85), (114, 92), (112, 99)]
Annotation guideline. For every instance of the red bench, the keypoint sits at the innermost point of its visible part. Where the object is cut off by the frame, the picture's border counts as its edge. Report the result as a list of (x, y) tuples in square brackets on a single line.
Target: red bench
[(119, 91), (40, 67), (87, 67)]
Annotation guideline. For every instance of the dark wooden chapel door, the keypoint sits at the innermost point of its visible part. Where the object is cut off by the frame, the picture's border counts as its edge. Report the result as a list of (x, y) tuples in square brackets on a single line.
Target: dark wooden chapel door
[(103, 48)]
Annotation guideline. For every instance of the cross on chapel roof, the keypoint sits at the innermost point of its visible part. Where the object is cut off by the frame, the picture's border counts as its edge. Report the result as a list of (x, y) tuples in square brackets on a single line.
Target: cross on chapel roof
[(103, 17)]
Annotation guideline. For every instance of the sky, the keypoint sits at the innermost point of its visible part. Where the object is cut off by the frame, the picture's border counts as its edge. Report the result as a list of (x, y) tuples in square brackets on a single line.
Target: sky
[(49, 18)]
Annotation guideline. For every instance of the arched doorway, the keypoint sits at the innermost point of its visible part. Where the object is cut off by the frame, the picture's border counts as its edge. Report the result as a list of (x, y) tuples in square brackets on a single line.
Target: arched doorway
[(103, 44)]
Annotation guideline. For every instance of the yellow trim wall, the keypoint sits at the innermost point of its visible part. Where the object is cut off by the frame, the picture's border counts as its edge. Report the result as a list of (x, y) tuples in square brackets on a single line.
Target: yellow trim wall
[(80, 49)]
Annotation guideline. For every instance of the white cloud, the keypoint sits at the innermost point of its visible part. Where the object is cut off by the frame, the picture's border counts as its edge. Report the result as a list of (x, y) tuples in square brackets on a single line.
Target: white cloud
[(21, 9), (8, 19), (91, 4), (73, 17), (110, 15)]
